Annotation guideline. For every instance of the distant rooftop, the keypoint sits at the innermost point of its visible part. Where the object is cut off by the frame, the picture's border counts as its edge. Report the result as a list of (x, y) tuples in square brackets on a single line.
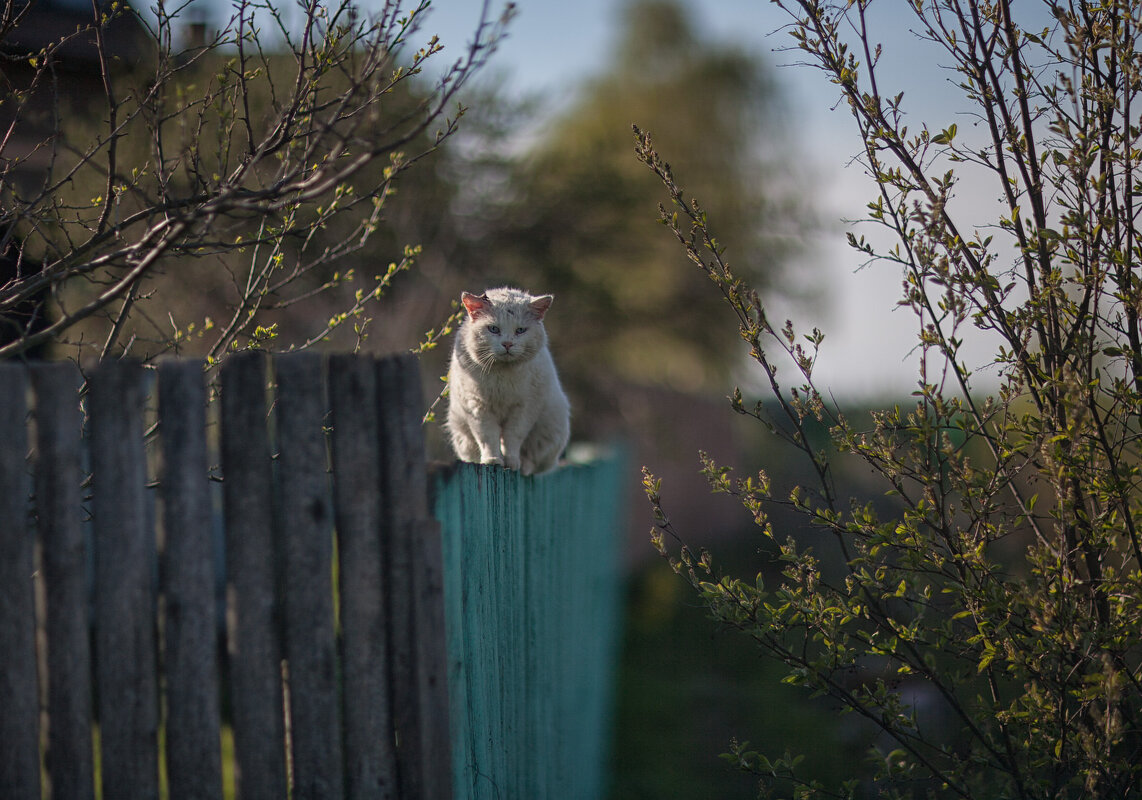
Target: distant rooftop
[(51, 20), (78, 5)]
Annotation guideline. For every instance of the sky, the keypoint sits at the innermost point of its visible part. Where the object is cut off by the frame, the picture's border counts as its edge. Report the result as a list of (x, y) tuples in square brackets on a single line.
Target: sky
[(868, 349)]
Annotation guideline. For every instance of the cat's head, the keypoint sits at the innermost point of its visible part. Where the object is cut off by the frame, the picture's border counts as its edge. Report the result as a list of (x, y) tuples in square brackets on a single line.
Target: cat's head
[(504, 326)]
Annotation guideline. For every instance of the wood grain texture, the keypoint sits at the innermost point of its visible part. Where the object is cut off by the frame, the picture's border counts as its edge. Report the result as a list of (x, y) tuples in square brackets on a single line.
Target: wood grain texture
[(59, 426), (125, 601), (532, 596), (420, 722), (370, 750), (19, 690), (254, 647), (392, 645), (194, 763), (306, 538)]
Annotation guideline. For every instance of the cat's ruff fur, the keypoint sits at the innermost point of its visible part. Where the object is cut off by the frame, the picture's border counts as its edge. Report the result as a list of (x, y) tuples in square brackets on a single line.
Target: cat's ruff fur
[(505, 403)]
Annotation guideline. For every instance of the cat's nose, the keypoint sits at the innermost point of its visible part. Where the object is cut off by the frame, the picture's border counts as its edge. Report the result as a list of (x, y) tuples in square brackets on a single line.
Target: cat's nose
[(508, 345)]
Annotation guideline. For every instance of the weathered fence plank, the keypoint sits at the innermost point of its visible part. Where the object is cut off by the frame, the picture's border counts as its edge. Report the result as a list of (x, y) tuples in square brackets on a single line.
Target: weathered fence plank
[(418, 664), (254, 647), (125, 669), (59, 425), (484, 546), (403, 465), (423, 541), (399, 512), (307, 546), (193, 723), (531, 607), (19, 721), (370, 757)]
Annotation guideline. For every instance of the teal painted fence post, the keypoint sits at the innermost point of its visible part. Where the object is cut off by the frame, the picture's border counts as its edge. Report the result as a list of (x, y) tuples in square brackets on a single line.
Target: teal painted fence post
[(532, 597)]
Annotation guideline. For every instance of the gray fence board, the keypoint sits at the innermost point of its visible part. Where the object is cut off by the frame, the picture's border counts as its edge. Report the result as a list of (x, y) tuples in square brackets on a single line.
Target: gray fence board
[(422, 539), (307, 545), (253, 641), (125, 669), (59, 426), (398, 514), (19, 722), (404, 485), (370, 758), (403, 461), (194, 763)]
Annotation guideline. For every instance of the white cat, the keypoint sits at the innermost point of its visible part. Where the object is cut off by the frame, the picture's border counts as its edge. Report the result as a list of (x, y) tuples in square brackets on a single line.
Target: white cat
[(505, 403)]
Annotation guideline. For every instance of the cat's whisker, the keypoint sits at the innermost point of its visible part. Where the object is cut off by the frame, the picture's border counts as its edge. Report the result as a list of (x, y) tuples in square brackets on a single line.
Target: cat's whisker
[(486, 359)]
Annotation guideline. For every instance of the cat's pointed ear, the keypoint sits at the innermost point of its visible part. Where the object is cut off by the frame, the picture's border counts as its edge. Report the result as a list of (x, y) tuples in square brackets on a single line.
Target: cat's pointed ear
[(540, 305), (476, 304)]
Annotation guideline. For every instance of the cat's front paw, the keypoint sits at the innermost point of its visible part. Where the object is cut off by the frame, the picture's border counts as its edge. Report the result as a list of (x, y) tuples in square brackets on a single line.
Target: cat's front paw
[(512, 462), (495, 460)]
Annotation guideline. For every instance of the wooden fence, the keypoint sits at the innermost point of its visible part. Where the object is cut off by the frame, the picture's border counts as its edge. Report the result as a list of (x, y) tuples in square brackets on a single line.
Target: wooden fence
[(338, 666), (363, 684), (532, 599)]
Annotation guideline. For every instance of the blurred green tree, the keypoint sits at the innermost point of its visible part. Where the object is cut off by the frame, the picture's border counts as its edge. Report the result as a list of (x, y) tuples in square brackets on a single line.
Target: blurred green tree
[(568, 216)]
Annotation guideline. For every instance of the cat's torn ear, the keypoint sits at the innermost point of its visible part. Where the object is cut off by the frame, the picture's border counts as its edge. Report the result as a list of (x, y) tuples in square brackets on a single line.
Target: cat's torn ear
[(540, 305), (476, 304)]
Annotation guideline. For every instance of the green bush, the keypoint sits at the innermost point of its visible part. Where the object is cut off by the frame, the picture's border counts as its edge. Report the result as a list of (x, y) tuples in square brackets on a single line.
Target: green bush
[(989, 628)]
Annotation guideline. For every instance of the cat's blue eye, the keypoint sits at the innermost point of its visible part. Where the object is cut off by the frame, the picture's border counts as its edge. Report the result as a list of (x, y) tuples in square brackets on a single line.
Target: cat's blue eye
[(520, 331), (494, 329)]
